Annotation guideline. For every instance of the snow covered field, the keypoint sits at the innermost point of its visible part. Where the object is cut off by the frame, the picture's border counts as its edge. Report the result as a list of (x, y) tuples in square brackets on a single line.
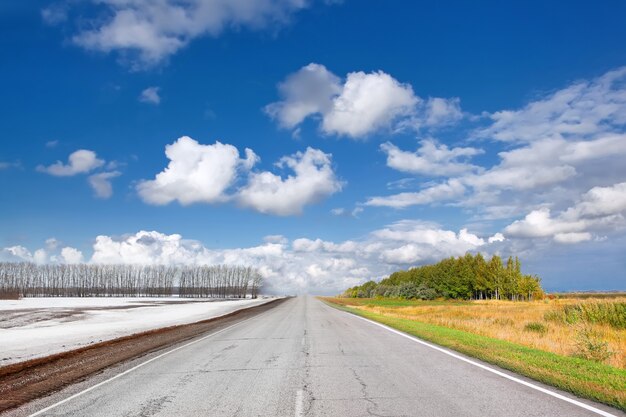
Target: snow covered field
[(34, 327)]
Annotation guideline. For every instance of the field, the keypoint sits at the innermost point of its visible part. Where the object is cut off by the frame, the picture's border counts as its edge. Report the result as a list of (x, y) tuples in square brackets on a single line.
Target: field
[(577, 344), (36, 327)]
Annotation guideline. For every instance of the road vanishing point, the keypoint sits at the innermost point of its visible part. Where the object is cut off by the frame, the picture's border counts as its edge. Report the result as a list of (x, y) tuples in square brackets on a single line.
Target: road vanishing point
[(305, 358)]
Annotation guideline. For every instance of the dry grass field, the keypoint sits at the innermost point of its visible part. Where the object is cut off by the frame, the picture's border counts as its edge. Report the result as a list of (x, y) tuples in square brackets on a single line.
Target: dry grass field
[(590, 328)]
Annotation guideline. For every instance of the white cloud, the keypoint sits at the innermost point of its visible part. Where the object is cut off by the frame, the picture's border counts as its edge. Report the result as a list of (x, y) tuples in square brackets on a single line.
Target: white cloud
[(584, 109), (601, 209), (200, 173), (16, 253), (147, 248), (361, 104), (424, 242), (80, 162), (71, 255), (41, 256), (572, 237), (314, 179), (431, 159), (309, 91), (196, 173), (367, 103), (498, 237), (525, 175), (441, 111), (150, 95), (557, 147), (101, 183), (340, 211), (449, 190), (146, 32)]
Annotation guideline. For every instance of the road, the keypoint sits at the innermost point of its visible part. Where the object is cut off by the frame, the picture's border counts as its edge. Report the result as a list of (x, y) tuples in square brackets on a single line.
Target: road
[(304, 358)]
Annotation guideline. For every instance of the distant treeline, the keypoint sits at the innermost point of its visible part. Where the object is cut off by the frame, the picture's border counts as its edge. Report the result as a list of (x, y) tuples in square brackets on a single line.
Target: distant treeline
[(466, 277), (92, 280)]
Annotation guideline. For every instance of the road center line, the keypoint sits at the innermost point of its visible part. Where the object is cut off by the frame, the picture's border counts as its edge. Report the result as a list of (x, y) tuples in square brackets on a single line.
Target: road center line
[(134, 368), (495, 371)]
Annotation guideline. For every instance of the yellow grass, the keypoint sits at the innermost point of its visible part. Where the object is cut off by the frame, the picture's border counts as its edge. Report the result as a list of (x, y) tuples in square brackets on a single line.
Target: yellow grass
[(506, 320)]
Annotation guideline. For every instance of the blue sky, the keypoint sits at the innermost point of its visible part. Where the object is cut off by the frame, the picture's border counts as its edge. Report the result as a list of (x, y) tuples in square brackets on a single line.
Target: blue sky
[(381, 134)]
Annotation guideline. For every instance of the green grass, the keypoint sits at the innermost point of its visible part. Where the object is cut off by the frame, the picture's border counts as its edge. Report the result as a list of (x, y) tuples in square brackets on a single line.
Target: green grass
[(536, 327), (584, 378)]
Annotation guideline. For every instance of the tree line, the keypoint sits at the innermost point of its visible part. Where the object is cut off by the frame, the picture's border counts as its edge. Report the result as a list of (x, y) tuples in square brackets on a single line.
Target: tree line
[(27, 279), (469, 277)]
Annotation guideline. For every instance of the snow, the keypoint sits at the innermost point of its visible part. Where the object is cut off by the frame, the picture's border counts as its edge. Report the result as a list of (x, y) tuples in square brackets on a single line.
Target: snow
[(35, 327)]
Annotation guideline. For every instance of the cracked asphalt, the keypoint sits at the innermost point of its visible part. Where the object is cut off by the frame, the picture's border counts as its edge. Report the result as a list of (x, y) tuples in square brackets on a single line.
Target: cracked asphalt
[(304, 358)]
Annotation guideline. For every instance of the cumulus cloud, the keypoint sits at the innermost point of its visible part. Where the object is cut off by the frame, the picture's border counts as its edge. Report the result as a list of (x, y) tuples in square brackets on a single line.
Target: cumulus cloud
[(361, 104), (50, 254), (431, 159), (309, 91), (101, 183), (313, 180), (147, 32), (200, 173), (150, 95), (368, 102), (71, 255), (81, 161), (601, 209), (196, 173)]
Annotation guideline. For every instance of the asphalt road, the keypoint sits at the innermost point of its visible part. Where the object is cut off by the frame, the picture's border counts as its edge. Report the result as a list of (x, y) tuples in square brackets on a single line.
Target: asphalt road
[(304, 358)]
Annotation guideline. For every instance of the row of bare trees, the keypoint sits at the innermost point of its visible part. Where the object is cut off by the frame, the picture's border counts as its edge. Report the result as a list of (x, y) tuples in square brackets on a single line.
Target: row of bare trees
[(93, 280)]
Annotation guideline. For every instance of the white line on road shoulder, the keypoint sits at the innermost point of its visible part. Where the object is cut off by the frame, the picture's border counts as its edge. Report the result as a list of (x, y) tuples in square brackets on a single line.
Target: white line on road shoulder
[(78, 394), (299, 403), (495, 371)]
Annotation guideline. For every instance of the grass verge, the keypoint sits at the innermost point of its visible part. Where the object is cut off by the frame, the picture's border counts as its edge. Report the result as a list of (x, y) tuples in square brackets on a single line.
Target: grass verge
[(584, 378)]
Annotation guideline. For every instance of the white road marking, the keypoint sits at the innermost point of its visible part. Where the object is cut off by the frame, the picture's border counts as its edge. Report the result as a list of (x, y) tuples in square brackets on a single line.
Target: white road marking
[(299, 403), (134, 368), (495, 371)]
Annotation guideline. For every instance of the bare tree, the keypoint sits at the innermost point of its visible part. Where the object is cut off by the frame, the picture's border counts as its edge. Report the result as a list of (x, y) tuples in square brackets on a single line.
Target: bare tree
[(94, 280)]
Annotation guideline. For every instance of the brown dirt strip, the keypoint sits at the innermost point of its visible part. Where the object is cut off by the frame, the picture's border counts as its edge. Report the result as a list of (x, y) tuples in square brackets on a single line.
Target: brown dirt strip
[(23, 382)]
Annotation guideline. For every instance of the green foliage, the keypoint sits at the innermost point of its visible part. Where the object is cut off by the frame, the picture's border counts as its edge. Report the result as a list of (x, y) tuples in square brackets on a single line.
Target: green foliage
[(555, 316), (590, 346), (536, 327), (611, 313), (468, 277)]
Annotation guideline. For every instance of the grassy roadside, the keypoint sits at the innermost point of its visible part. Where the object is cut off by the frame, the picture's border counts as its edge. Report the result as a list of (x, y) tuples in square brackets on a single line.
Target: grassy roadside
[(581, 377)]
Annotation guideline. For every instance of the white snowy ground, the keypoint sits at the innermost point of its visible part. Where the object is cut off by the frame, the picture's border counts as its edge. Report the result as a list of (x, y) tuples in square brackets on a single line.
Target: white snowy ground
[(34, 327)]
